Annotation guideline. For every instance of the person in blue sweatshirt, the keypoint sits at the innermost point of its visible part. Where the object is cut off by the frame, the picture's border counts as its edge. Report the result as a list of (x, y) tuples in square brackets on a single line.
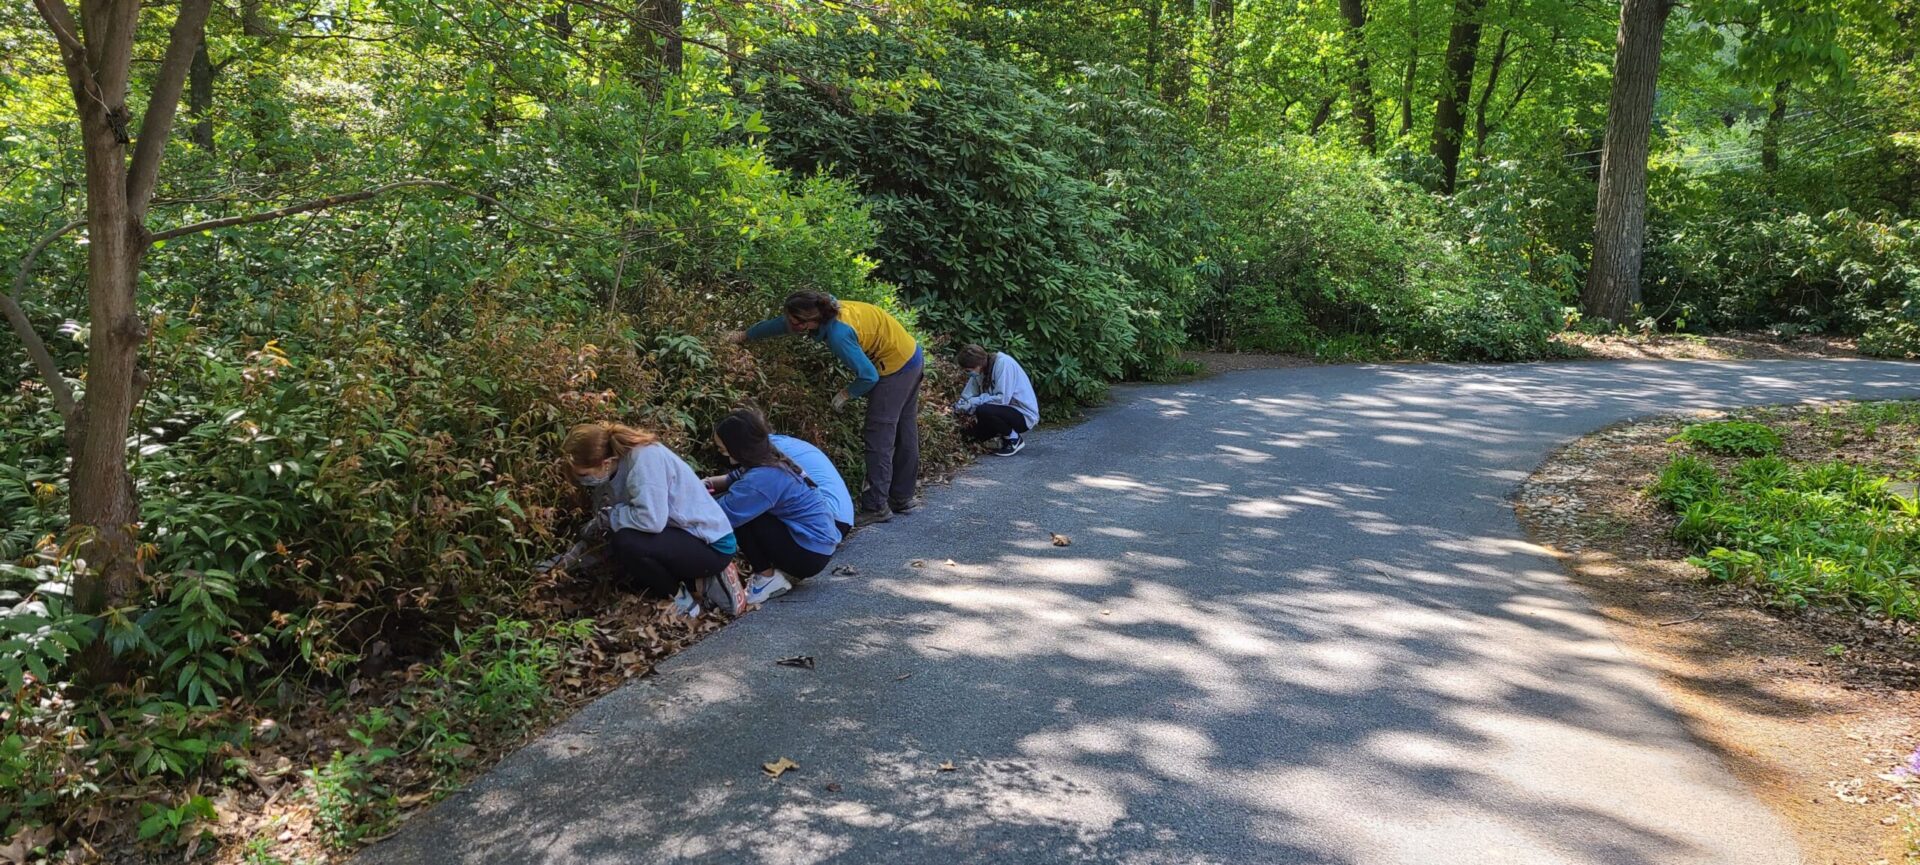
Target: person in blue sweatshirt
[(786, 528), (998, 401), (825, 476)]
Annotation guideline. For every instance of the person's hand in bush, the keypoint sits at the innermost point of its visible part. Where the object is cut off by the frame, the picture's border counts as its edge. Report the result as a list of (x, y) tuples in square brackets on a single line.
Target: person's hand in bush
[(736, 337), (598, 528), (840, 399)]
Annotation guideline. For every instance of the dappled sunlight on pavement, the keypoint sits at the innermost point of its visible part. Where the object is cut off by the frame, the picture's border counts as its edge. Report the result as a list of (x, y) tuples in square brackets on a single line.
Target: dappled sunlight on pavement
[(1295, 622)]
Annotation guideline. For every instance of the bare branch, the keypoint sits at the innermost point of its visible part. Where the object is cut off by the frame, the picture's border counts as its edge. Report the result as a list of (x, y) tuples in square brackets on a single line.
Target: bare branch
[(188, 29), (36, 347), (348, 198)]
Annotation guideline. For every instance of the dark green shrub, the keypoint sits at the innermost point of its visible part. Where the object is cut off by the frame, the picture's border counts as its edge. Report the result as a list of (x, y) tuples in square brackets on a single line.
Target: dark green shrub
[(1316, 247), (1723, 263), (990, 225)]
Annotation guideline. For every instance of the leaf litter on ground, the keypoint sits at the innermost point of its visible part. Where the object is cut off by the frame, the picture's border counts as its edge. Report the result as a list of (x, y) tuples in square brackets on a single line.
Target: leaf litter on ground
[(778, 767)]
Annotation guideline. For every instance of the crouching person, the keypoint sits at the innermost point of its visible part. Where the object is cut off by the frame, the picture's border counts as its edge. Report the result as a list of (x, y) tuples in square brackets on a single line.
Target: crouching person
[(824, 475), (667, 536), (998, 401), (786, 528)]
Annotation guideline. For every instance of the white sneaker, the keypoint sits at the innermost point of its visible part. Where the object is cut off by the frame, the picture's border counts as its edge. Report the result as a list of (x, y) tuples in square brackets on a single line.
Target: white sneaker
[(765, 587), (684, 604)]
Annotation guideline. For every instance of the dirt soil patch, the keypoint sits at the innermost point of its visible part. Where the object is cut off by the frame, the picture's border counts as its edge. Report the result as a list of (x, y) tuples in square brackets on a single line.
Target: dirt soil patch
[(1814, 710), (1580, 346), (1732, 346)]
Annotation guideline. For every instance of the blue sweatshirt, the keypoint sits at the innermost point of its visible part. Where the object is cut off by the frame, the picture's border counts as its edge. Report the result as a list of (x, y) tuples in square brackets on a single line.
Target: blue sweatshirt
[(826, 479), (773, 489), (1006, 384)]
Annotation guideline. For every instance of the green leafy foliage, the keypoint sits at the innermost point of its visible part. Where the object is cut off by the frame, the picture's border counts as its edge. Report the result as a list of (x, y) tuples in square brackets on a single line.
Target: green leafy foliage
[(1685, 480), (990, 226), (1314, 253), (1731, 437), (1827, 533)]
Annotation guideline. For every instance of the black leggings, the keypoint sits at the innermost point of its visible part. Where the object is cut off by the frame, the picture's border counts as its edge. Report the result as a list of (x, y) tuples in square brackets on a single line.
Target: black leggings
[(995, 421), (767, 543), (657, 564)]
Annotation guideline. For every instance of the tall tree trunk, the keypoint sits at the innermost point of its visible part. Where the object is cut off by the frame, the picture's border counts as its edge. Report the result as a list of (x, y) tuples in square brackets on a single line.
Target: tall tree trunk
[(200, 98), (102, 498), (1770, 134), (656, 37), (1220, 66), (1449, 120), (1413, 67), (1355, 11), (560, 21), (1620, 214), (97, 53), (1486, 96), (1151, 12), (1179, 77)]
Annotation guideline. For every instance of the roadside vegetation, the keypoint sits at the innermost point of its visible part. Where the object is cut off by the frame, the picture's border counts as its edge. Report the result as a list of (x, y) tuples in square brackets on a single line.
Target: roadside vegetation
[(302, 297)]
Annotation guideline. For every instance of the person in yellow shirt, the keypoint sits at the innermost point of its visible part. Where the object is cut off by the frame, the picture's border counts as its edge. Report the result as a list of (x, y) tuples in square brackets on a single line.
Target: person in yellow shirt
[(887, 370)]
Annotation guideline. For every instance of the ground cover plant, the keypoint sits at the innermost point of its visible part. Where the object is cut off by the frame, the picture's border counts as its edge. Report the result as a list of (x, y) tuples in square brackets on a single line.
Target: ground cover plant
[(1832, 532)]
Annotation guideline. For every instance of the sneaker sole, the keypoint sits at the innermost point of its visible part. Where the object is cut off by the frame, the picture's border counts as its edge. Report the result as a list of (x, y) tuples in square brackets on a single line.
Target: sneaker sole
[(751, 599), (736, 590)]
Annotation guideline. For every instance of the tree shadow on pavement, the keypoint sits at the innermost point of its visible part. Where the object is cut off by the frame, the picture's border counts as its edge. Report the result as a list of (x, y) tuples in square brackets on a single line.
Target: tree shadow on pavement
[(1296, 622)]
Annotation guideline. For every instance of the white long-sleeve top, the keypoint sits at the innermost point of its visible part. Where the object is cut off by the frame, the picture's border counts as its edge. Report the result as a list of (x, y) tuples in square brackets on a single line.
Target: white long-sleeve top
[(654, 488), (1006, 384)]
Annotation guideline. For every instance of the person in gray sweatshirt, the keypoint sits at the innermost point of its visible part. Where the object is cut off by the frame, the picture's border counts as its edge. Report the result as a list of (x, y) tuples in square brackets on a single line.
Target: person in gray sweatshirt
[(998, 401), (664, 530)]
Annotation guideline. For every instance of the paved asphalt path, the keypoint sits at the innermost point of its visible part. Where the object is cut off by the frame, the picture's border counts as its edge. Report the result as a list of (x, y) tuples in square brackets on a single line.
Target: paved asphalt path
[(1297, 623)]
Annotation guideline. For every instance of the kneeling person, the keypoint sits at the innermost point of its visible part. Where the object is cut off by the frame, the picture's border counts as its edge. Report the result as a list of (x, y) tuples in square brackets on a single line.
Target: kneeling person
[(667, 534), (786, 528), (998, 400), (826, 478)]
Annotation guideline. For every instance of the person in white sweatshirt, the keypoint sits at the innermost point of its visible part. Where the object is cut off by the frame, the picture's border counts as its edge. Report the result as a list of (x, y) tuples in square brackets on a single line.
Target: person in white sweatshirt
[(998, 401), (666, 532)]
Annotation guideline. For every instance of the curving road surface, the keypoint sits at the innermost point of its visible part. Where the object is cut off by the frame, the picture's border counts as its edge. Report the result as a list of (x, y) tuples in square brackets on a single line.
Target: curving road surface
[(1297, 624)]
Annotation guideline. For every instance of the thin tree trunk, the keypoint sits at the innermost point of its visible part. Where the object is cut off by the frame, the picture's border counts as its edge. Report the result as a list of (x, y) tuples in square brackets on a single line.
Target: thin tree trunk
[(561, 22), (1152, 14), (656, 36), (200, 98), (1612, 291), (1770, 135), (97, 53), (1486, 95), (1179, 77), (1220, 69), (1355, 11), (1449, 120), (1413, 67), (1321, 115)]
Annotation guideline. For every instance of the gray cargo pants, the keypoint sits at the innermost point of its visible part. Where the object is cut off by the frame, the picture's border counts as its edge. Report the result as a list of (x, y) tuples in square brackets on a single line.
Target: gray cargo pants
[(893, 437)]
